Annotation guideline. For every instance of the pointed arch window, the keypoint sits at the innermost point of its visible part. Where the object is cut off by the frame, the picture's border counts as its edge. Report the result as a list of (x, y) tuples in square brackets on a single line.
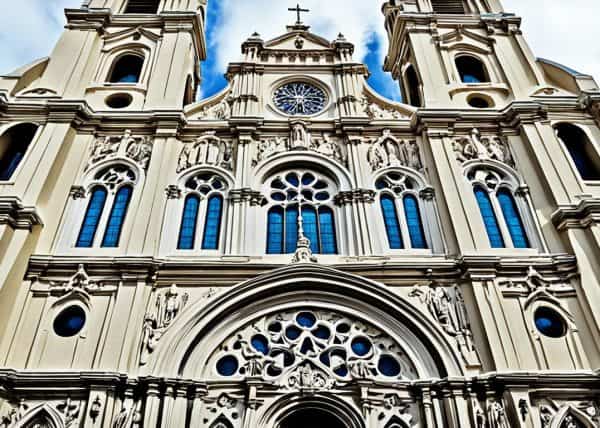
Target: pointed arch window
[(111, 187), (127, 69), (471, 69), (582, 151), (314, 193), (13, 146), (502, 208), (401, 211), (203, 209)]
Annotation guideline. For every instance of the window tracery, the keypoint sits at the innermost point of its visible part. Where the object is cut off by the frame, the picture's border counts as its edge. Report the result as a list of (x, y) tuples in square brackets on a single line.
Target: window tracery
[(111, 187), (204, 205), (301, 199), (311, 348)]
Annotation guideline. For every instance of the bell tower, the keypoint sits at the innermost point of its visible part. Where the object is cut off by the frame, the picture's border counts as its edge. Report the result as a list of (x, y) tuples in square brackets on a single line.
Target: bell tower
[(459, 54), (127, 55)]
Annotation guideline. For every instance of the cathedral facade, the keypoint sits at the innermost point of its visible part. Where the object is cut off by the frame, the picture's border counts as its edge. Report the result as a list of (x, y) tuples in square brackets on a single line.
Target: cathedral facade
[(297, 250)]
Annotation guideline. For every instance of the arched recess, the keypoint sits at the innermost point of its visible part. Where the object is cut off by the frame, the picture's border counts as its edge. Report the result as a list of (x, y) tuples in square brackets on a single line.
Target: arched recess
[(127, 68), (44, 416), (582, 151), (14, 143), (190, 342)]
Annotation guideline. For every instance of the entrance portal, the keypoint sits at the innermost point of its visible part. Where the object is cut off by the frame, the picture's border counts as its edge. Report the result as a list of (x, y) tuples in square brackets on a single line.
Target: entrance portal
[(311, 418)]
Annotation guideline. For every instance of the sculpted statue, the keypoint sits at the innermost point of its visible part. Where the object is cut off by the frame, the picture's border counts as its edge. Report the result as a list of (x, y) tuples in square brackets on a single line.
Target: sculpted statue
[(300, 138), (478, 147), (206, 150), (138, 149), (389, 151), (497, 415)]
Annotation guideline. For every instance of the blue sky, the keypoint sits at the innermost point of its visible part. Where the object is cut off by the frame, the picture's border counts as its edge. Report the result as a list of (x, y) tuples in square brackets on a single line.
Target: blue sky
[(566, 32)]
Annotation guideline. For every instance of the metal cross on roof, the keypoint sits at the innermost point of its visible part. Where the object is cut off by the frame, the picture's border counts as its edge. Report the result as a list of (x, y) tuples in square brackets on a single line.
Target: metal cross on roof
[(298, 11)]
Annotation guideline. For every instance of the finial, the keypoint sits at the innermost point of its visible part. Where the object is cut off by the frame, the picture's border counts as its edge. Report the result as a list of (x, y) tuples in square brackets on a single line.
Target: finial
[(298, 11)]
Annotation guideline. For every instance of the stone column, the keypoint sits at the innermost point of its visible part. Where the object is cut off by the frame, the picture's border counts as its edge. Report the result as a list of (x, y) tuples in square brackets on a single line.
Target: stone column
[(152, 405)]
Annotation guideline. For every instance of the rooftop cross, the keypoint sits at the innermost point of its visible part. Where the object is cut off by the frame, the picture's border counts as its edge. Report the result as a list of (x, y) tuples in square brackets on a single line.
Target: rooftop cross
[(298, 10)]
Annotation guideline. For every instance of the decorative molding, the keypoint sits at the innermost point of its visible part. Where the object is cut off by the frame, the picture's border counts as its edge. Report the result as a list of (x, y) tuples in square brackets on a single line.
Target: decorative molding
[(18, 216), (357, 195), (534, 281), (580, 216), (476, 147)]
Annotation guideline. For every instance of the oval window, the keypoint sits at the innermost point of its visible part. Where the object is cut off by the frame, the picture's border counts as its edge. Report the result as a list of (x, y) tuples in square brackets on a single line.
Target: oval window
[(70, 321), (550, 323)]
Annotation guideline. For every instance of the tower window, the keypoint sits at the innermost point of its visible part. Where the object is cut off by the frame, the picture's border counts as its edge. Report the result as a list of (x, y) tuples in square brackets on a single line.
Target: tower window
[(471, 69), (142, 6), (13, 146), (413, 87), (448, 6), (127, 69), (581, 149)]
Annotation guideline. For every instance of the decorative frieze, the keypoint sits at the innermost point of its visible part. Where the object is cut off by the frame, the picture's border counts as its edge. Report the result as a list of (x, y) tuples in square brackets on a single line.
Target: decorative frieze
[(218, 111), (137, 149), (206, 150), (388, 151), (377, 111), (357, 195), (477, 147)]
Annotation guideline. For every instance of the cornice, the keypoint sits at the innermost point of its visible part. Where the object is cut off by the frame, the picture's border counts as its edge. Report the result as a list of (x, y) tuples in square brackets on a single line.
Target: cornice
[(18, 216), (579, 216)]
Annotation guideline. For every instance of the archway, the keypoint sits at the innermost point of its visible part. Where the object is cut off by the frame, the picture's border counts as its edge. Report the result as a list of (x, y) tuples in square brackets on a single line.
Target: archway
[(313, 418)]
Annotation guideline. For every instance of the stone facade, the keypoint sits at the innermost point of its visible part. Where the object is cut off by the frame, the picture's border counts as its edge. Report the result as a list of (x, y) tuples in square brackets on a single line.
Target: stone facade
[(210, 303)]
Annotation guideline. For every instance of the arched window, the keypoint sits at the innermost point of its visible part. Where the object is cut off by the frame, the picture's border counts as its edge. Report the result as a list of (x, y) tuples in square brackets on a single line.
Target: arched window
[(471, 69), (111, 187), (501, 210), (190, 92), (142, 6), (413, 88), (314, 194), (127, 69), (455, 7), (401, 212), (13, 146), (204, 206), (582, 150)]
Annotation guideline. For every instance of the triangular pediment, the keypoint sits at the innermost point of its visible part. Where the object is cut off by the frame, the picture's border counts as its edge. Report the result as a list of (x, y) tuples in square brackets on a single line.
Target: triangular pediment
[(298, 40)]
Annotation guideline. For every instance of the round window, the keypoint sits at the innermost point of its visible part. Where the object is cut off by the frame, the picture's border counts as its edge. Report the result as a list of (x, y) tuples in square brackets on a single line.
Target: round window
[(550, 323), (300, 99), (479, 101), (70, 321), (119, 101)]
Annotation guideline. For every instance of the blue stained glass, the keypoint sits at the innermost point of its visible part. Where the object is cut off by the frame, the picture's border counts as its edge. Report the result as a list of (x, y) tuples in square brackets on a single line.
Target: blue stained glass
[(261, 344), (228, 366), (415, 224), (468, 78), (291, 229), (361, 346), (489, 218), (550, 323), (311, 230), (92, 218), (275, 231), (327, 227), (117, 218), (306, 319), (513, 219), (388, 366), (392, 226), (189, 221), (70, 321), (212, 227)]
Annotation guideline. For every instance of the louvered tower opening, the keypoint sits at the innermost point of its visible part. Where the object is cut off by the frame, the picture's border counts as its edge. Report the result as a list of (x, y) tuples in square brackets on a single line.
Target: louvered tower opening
[(142, 6), (456, 7)]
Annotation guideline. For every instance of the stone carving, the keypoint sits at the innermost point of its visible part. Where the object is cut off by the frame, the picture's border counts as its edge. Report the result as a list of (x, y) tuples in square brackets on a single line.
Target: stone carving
[(206, 150), (300, 139), (14, 415), (532, 282), (569, 415), (138, 149), (79, 281), (303, 252), (219, 111), (447, 307), (221, 411), (377, 112), (166, 308), (497, 415), (482, 148), (312, 347), (389, 151), (129, 416), (397, 412)]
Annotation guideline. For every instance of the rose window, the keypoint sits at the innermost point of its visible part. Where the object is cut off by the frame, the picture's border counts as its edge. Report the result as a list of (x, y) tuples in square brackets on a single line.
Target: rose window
[(300, 99)]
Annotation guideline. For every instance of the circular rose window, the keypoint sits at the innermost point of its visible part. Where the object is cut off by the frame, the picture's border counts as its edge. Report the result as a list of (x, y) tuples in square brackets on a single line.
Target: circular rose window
[(300, 99)]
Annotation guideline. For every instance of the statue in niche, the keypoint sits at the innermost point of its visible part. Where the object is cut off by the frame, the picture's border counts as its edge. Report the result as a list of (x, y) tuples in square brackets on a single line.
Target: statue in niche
[(477, 147), (166, 308), (206, 150), (389, 151), (497, 415), (300, 138)]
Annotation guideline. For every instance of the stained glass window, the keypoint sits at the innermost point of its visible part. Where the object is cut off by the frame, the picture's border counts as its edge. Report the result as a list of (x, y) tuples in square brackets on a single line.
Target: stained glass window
[(92, 218), (291, 229), (513, 219), (275, 231), (299, 98), (392, 225), (117, 218), (415, 224), (311, 231), (489, 218), (189, 222), (327, 229), (212, 226)]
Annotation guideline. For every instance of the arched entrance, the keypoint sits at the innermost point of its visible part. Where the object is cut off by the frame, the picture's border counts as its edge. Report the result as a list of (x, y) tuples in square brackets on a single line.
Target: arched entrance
[(311, 418)]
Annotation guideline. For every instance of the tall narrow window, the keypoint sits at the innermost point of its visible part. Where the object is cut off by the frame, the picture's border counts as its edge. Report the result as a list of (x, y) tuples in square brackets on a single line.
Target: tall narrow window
[(13, 146), (189, 221), (92, 218), (489, 218), (413, 87), (392, 225), (275, 231), (582, 150), (286, 192), (513, 219), (142, 6), (415, 225), (117, 218), (127, 69), (212, 226), (471, 69)]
